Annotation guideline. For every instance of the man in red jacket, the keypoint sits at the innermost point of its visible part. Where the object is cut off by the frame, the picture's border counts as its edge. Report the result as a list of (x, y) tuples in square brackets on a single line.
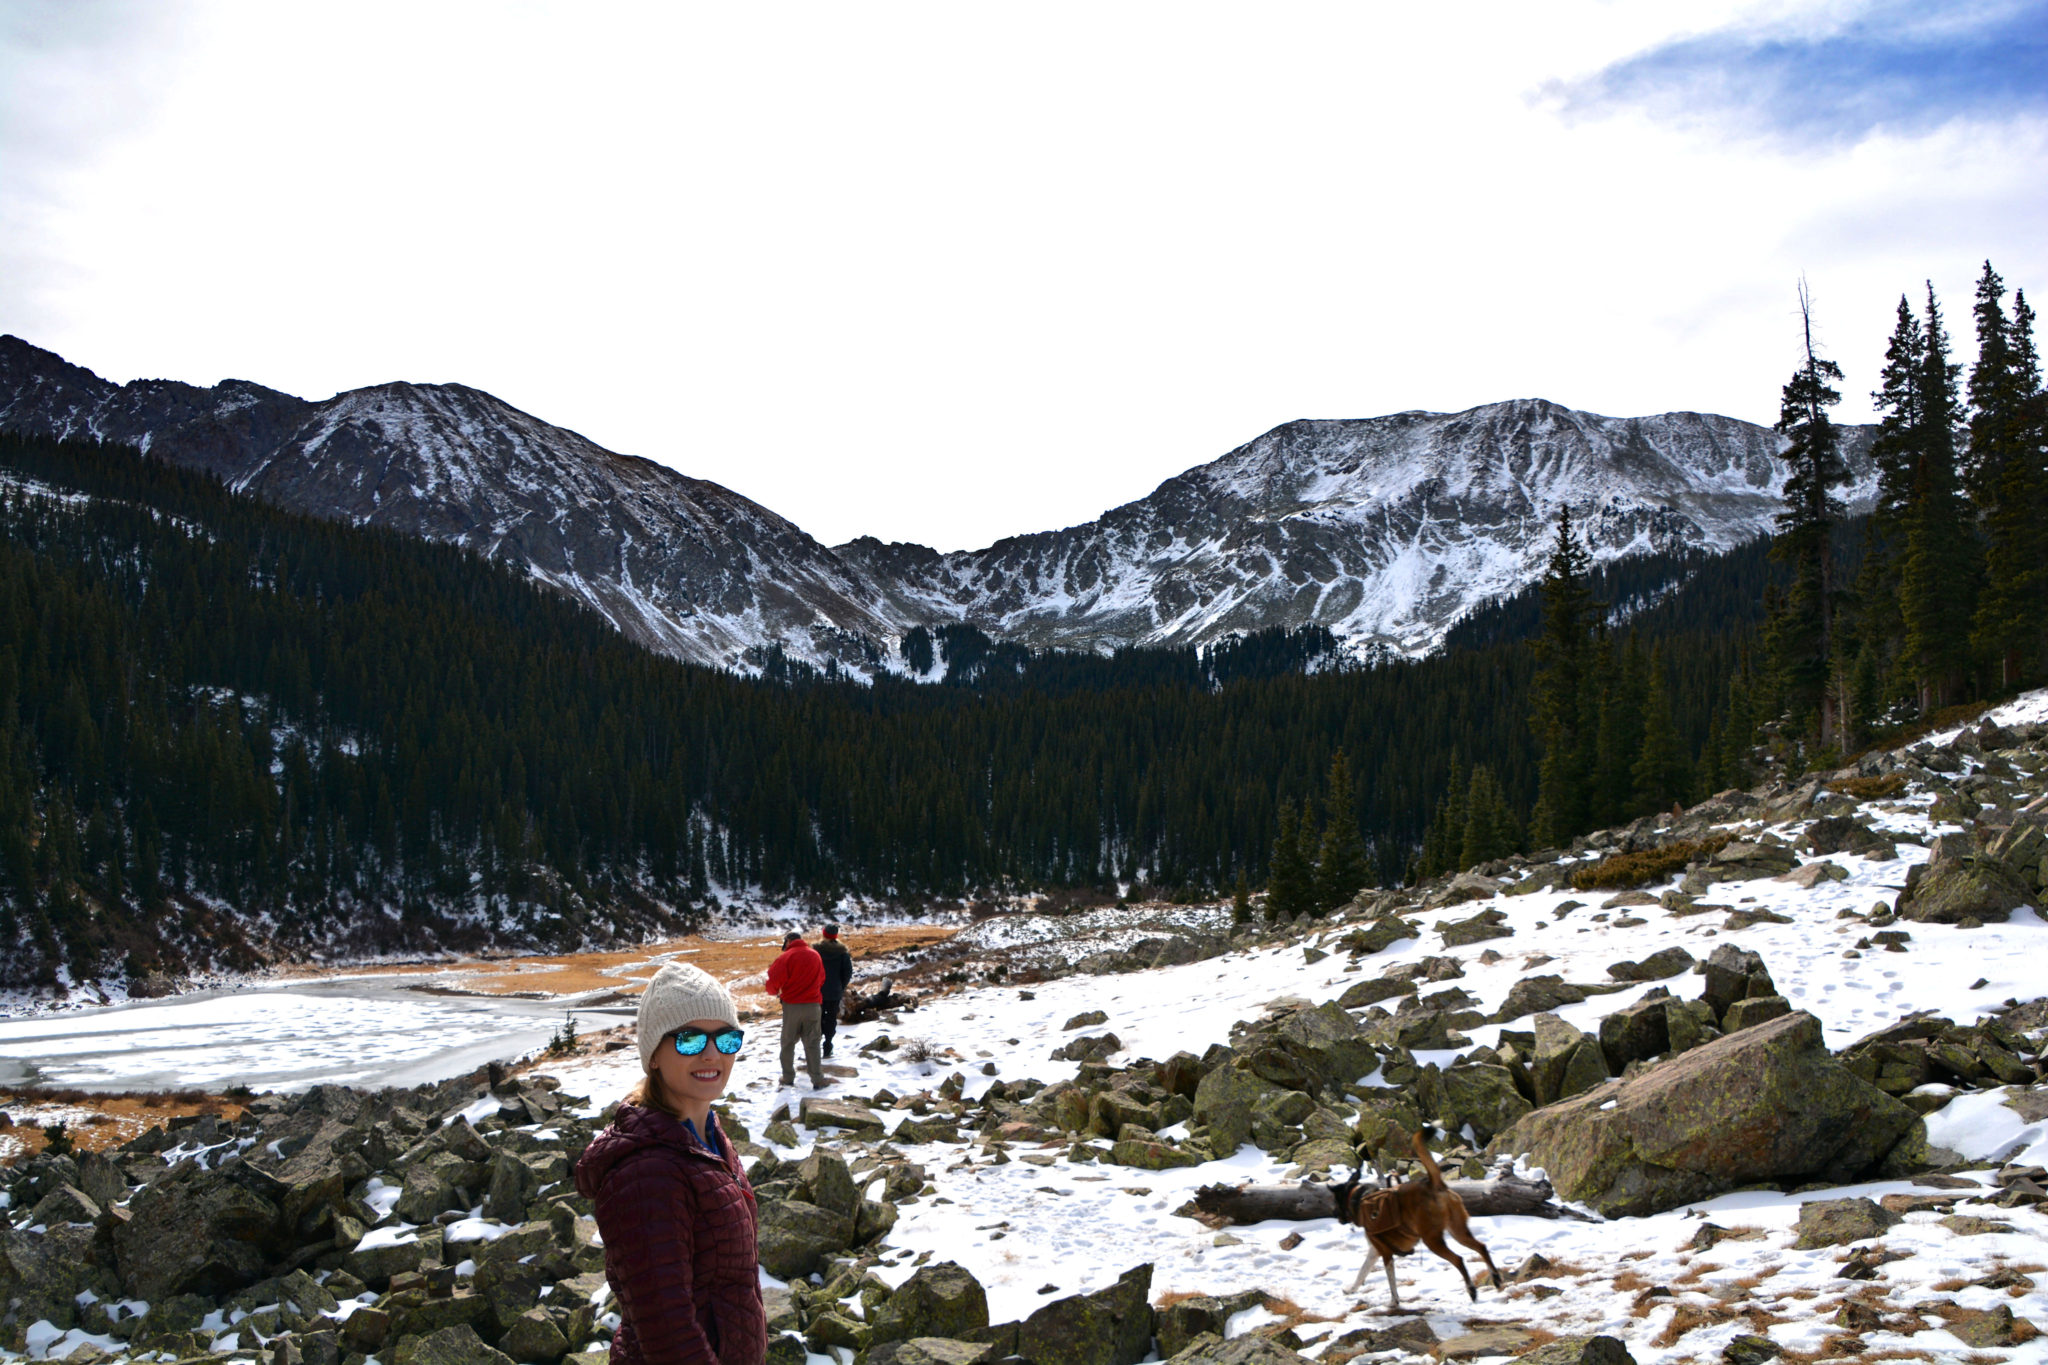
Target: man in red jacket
[(797, 979)]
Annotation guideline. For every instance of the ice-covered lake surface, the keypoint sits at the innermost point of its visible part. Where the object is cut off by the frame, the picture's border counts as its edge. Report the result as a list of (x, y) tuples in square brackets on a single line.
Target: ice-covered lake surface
[(367, 1031)]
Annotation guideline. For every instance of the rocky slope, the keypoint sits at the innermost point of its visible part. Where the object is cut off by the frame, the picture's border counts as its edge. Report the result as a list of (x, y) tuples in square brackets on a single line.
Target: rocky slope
[(1385, 530), (1793, 1055), (681, 565)]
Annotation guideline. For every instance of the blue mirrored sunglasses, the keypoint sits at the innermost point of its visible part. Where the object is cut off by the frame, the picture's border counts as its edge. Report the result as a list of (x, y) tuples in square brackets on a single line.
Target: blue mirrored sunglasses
[(690, 1041)]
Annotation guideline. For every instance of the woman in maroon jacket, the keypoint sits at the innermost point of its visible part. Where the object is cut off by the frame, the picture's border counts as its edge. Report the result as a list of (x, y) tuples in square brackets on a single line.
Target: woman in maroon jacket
[(673, 1205)]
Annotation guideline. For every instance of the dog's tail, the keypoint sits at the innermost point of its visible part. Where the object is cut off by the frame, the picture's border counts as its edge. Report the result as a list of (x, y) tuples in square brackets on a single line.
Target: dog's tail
[(1429, 1166)]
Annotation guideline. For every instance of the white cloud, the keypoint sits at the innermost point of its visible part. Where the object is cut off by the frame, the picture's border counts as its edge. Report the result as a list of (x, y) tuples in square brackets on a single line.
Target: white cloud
[(946, 273)]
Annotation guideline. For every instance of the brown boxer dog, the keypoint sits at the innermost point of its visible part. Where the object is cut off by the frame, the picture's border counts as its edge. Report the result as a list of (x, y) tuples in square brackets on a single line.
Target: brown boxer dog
[(1396, 1219)]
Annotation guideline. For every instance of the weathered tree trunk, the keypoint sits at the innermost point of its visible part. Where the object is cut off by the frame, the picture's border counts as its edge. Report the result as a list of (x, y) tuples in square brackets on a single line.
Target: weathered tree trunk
[(856, 1008), (1483, 1198)]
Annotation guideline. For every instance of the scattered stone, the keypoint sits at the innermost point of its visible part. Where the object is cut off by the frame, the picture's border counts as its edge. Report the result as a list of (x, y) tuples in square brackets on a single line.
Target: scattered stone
[(1751, 1349), (1589, 1350), (1813, 874), (939, 1300), (1838, 1222), (1658, 966), (1086, 1019)]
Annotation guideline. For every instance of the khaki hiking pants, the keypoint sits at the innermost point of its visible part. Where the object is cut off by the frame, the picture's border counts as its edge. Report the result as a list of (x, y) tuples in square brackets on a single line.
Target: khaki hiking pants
[(801, 1021)]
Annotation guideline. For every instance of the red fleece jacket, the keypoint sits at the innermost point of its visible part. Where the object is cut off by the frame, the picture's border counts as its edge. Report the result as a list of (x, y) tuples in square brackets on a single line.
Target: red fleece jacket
[(798, 976)]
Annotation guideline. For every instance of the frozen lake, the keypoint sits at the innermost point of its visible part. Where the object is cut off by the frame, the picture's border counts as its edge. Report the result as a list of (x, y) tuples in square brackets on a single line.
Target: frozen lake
[(353, 1031)]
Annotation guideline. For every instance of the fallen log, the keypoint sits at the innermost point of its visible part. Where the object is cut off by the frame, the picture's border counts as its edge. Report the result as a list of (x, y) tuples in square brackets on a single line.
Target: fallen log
[(1502, 1195), (857, 1008)]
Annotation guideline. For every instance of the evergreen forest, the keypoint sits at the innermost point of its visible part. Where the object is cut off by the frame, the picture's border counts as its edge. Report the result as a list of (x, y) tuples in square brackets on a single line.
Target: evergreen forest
[(231, 734)]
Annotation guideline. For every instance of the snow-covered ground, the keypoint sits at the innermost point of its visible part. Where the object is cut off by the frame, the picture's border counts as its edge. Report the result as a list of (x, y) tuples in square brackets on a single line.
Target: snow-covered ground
[(352, 1031), (1036, 1219)]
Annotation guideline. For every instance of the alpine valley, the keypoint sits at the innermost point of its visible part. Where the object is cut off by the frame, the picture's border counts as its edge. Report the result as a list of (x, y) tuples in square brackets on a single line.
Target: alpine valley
[(1386, 531)]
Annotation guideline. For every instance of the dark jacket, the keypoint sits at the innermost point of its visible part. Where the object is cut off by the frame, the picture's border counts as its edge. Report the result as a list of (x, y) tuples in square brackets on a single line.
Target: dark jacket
[(678, 1225), (838, 967), (798, 976)]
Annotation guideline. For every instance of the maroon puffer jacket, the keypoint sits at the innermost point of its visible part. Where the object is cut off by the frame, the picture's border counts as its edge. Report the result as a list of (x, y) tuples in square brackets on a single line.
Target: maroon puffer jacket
[(678, 1226)]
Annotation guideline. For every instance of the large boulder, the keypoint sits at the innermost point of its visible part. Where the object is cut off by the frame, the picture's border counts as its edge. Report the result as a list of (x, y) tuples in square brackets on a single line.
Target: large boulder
[(1666, 962), (1838, 1222), (1374, 937), (1483, 1096), (939, 1300), (1766, 1104), (825, 1177), (1321, 1046), (1567, 1061), (796, 1238), (1208, 1349), (1224, 1103), (1846, 834), (1949, 890), (1536, 995), (819, 1112), (200, 1232), (1734, 974), (1112, 1326), (1635, 1033), (1589, 1350), (458, 1345), (40, 1276), (931, 1351), (1181, 1322)]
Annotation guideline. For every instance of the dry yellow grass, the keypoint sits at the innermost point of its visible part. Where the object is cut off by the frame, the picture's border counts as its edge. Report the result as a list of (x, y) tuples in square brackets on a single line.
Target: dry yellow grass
[(627, 971)]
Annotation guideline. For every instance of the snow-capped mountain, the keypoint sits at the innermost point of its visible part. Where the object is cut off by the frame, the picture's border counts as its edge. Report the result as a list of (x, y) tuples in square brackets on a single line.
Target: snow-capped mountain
[(681, 565), (1384, 529)]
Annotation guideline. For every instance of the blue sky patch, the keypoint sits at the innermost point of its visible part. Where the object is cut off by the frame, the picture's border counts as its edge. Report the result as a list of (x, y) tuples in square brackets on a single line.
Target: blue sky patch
[(1897, 67)]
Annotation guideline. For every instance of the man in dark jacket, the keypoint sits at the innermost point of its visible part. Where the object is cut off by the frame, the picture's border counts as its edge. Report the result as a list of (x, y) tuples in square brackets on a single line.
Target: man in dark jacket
[(797, 979), (838, 971)]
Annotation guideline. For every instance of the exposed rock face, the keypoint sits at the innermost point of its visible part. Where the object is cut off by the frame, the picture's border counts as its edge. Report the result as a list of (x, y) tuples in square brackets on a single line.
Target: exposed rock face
[(1766, 1104), (1385, 529)]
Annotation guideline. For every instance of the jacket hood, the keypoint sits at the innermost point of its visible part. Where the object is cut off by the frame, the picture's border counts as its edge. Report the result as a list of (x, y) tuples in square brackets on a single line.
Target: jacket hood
[(634, 1128)]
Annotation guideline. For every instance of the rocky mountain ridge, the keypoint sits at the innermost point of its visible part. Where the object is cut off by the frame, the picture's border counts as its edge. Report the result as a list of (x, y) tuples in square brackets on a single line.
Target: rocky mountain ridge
[(1385, 530)]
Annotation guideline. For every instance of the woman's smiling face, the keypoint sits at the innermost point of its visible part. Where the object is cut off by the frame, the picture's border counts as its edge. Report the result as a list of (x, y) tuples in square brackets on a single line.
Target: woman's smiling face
[(692, 1083)]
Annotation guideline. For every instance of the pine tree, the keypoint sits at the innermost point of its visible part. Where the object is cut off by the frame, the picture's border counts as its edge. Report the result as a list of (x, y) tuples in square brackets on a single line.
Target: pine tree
[(1489, 824), (1935, 570), (2009, 480), (1621, 732), (1803, 636), (1660, 769), (1241, 900), (1341, 870), (1570, 616), (1290, 880), (1875, 596)]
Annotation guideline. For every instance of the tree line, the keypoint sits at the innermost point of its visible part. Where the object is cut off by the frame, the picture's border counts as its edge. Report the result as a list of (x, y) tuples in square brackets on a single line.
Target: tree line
[(1940, 596), (229, 732)]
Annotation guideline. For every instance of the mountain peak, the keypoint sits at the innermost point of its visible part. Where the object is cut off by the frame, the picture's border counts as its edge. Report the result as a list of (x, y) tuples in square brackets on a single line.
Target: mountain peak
[(1385, 529)]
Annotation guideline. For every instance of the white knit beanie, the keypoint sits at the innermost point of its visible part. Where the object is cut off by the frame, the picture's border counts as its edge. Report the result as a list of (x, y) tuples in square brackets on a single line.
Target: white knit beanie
[(678, 995)]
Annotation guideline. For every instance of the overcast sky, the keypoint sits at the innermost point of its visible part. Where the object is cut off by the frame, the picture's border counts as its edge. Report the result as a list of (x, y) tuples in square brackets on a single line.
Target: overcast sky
[(946, 272)]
